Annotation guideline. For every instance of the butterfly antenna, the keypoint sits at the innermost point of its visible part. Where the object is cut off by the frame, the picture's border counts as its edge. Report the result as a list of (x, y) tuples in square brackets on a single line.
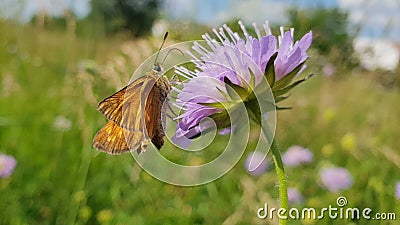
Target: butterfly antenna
[(172, 49), (176, 49), (162, 44)]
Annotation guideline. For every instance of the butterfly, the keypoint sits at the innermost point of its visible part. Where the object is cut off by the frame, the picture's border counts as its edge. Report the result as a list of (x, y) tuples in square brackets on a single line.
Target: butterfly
[(135, 114)]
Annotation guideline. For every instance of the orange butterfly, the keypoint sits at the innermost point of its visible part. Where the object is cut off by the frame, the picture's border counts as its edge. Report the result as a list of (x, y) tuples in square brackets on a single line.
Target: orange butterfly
[(135, 114)]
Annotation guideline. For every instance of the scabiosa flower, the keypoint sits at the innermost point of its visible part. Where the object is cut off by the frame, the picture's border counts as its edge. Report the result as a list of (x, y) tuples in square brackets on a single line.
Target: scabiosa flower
[(256, 163), (294, 195), (397, 191), (296, 155), (336, 178), (236, 64), (7, 165)]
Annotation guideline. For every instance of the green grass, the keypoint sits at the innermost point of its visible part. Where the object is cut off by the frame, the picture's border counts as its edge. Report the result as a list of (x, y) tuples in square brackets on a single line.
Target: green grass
[(61, 179)]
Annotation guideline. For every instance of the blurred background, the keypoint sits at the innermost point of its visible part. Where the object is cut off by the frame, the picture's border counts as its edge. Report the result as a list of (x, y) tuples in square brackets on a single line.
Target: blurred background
[(58, 58)]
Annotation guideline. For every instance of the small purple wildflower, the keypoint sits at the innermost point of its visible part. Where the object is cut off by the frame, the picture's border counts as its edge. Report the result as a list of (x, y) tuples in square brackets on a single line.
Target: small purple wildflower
[(294, 196), (225, 131), (336, 178), (397, 191), (7, 165), (296, 155), (328, 70), (256, 163), (241, 62)]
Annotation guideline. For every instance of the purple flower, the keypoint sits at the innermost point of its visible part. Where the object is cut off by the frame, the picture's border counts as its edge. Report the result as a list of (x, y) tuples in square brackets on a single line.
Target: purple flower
[(328, 70), (397, 191), (256, 163), (296, 155), (225, 131), (7, 165), (238, 63), (290, 56), (294, 196), (336, 178)]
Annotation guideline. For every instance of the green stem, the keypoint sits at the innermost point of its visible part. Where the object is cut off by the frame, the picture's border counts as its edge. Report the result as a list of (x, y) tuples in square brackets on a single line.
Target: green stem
[(280, 172)]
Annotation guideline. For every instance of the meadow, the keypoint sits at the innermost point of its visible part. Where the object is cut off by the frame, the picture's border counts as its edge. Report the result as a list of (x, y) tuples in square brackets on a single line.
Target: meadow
[(51, 82)]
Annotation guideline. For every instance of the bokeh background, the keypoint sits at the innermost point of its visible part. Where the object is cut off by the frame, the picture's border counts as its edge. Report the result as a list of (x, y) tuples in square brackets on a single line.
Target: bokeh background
[(58, 58)]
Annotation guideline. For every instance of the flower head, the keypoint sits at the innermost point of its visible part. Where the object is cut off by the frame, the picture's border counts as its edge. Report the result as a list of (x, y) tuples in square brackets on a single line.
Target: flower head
[(297, 155), (256, 163), (7, 165), (230, 64), (348, 142), (336, 178), (104, 216), (85, 213), (294, 196), (397, 191)]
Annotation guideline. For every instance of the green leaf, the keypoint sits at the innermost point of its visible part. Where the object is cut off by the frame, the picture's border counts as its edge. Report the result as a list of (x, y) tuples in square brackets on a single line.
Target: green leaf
[(287, 79), (269, 72), (222, 119), (253, 108), (267, 103), (220, 105), (281, 98), (223, 93), (242, 92), (282, 108), (287, 88), (252, 82)]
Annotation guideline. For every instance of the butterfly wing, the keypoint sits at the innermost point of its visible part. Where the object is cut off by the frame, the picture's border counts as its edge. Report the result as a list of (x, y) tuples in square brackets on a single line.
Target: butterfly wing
[(111, 107), (126, 107), (128, 110), (113, 139), (154, 116)]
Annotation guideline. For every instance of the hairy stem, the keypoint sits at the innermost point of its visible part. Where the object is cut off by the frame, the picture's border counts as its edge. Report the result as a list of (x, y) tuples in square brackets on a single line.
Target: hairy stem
[(280, 172)]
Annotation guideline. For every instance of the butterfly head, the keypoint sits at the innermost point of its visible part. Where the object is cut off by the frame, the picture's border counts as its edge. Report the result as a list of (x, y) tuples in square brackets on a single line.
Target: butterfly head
[(157, 67)]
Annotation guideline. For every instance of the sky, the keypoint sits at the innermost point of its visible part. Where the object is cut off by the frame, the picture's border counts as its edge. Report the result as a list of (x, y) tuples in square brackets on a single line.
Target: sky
[(377, 18)]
